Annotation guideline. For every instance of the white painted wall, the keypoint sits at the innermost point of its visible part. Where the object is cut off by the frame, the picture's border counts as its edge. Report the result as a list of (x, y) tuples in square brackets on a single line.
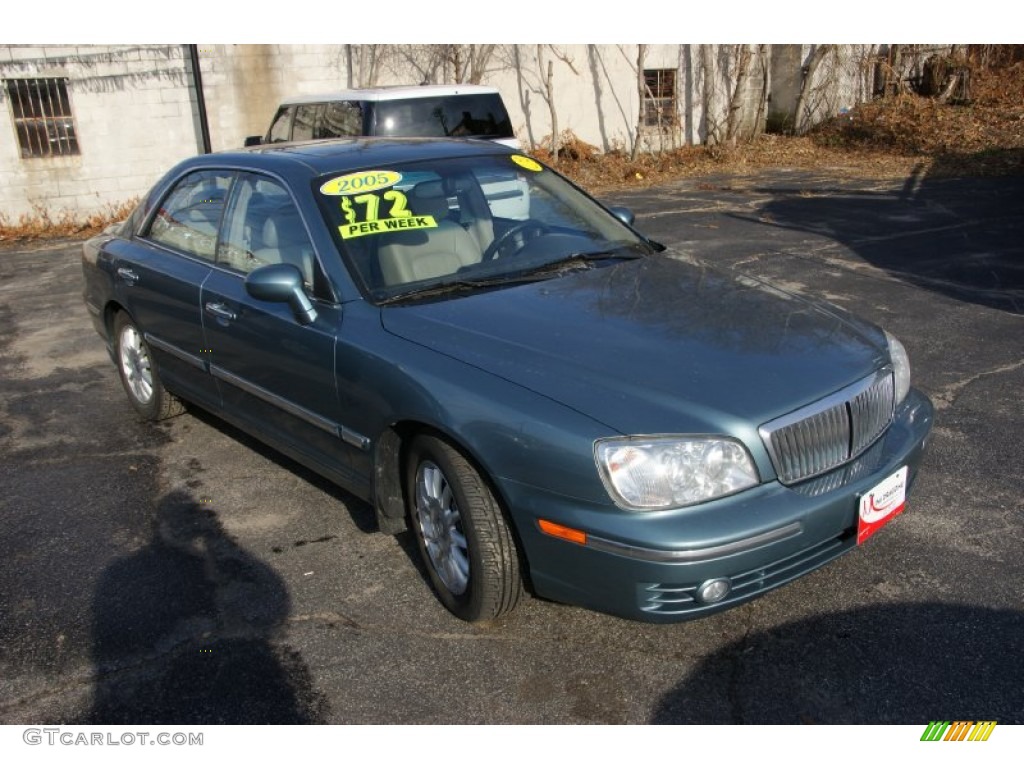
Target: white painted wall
[(133, 120), (135, 114), (243, 84)]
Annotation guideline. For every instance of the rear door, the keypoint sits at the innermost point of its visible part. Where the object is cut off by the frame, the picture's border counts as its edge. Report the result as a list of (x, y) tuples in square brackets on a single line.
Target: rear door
[(160, 274)]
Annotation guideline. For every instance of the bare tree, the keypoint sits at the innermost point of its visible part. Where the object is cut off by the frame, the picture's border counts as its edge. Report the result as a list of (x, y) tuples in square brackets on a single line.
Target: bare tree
[(742, 57), (763, 58), (365, 62), (893, 71), (523, 92), (545, 70), (712, 128), (803, 116), (448, 62), (641, 89), (469, 62), (426, 62), (549, 96)]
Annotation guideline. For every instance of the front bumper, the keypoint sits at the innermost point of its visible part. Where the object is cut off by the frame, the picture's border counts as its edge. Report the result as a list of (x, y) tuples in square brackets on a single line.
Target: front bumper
[(648, 566)]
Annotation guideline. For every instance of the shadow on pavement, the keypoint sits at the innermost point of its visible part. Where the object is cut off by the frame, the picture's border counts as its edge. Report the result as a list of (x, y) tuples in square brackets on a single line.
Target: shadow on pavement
[(184, 631), (362, 514), (944, 234), (907, 664)]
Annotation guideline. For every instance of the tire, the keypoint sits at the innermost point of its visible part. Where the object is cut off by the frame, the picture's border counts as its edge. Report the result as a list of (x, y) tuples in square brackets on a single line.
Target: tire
[(466, 545), (139, 374)]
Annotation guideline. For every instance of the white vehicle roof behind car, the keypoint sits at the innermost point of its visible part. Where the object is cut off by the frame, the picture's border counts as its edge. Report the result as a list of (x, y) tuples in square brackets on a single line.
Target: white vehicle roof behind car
[(391, 92)]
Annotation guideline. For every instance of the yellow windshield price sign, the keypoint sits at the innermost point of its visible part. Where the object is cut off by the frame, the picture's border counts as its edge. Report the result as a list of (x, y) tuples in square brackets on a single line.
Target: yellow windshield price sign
[(360, 228), (398, 218), (364, 181)]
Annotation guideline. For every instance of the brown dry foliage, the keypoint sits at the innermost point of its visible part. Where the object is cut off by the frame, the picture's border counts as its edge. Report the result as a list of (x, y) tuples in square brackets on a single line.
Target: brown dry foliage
[(889, 137), (43, 224), (984, 136)]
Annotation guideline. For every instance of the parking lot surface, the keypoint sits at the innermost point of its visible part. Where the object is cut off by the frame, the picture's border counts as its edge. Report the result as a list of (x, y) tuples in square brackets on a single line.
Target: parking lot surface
[(182, 573)]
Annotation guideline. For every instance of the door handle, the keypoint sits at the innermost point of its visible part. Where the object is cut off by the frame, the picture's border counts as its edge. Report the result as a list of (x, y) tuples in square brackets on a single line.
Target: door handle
[(220, 310), (127, 275)]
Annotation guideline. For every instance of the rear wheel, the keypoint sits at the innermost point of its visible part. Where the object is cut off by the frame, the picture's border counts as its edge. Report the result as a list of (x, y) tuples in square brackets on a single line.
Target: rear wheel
[(468, 549), (139, 374)]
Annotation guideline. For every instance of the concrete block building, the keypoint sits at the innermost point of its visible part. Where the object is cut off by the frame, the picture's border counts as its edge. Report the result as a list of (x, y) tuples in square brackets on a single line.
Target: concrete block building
[(90, 126)]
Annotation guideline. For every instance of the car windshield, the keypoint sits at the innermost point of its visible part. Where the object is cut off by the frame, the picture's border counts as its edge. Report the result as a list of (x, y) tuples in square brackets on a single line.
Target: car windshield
[(462, 223)]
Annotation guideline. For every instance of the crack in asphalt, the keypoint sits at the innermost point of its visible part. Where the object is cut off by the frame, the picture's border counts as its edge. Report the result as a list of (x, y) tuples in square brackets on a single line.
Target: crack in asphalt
[(945, 397)]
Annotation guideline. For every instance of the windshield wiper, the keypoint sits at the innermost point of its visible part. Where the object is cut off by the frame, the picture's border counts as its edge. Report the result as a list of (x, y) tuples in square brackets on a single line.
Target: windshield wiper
[(455, 286), (625, 253), (570, 263)]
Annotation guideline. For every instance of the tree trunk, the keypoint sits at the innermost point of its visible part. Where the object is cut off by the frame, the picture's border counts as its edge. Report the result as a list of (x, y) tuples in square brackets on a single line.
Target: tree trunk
[(479, 58), (892, 75), (817, 56), (554, 115), (524, 96), (641, 90), (707, 61), (732, 123)]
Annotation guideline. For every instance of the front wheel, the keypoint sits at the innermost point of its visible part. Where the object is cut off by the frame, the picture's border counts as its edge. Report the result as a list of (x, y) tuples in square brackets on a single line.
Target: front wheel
[(139, 374), (468, 549)]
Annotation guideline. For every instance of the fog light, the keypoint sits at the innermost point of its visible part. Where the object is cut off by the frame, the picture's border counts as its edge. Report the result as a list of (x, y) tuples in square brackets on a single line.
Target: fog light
[(713, 590)]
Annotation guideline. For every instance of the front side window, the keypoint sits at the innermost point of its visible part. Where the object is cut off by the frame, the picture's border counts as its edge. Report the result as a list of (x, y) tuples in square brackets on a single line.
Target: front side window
[(262, 226), (42, 116), (190, 214), (340, 119)]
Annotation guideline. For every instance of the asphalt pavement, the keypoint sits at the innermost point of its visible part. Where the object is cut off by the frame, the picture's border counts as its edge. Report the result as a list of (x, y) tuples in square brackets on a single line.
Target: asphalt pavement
[(182, 573)]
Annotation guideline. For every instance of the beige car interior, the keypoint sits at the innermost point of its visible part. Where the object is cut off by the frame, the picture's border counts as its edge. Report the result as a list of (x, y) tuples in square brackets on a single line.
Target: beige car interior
[(420, 254)]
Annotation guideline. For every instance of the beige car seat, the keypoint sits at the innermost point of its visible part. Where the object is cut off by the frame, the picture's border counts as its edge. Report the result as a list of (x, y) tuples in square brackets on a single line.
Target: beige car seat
[(420, 254), (285, 241)]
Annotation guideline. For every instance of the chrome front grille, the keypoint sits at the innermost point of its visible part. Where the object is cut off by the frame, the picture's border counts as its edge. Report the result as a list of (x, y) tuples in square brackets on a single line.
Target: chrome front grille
[(832, 431)]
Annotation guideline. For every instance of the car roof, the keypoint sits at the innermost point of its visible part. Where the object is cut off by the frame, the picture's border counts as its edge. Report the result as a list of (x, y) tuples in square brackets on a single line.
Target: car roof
[(331, 155), (391, 92)]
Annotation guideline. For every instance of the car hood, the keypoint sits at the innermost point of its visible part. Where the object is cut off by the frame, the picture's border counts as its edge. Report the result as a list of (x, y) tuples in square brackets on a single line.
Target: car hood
[(653, 345)]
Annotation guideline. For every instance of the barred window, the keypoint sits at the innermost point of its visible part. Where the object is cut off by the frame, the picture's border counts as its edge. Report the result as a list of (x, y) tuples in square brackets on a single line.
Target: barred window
[(42, 116), (659, 97)]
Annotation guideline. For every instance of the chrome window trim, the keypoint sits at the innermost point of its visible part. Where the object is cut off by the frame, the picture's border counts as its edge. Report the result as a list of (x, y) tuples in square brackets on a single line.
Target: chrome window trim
[(163, 346), (344, 433)]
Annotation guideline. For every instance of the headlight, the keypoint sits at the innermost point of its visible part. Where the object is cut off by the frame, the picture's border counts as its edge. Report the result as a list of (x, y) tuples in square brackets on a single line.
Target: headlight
[(900, 366), (652, 473)]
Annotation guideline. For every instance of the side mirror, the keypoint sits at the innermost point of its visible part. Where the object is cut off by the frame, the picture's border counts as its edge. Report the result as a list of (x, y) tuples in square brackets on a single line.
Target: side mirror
[(282, 283), (623, 214), (253, 141)]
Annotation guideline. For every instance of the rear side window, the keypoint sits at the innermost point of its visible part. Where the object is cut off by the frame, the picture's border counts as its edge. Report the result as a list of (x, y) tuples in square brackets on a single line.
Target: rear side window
[(328, 120), (479, 115), (190, 215)]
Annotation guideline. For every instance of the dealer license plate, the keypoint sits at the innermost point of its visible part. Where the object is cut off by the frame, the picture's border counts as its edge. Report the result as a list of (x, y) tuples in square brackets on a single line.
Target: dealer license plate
[(881, 504)]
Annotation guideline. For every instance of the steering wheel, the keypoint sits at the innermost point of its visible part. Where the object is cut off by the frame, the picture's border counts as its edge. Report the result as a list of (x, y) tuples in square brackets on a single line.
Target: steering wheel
[(525, 231)]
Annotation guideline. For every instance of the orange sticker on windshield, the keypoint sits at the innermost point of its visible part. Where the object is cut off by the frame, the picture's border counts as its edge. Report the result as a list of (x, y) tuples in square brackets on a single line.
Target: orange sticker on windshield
[(528, 163)]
